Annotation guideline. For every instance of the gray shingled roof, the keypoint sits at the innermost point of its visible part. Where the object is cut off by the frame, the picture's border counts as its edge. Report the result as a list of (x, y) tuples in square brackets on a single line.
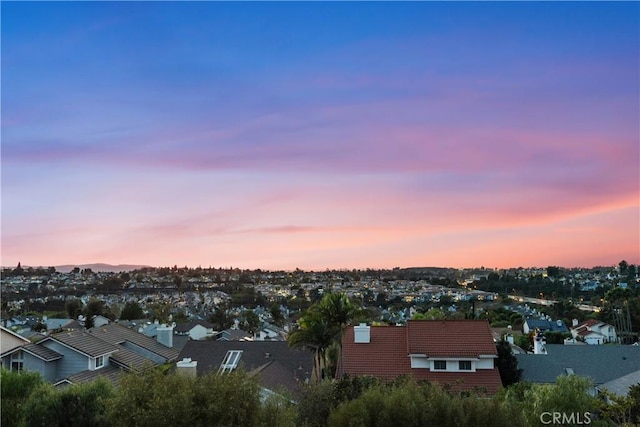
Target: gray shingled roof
[(117, 334), (187, 326), (602, 363), (129, 359), (42, 352), (110, 372), (621, 386), (84, 342), (277, 365)]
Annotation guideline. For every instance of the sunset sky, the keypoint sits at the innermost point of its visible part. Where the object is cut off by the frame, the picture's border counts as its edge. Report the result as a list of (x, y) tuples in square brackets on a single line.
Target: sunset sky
[(320, 135)]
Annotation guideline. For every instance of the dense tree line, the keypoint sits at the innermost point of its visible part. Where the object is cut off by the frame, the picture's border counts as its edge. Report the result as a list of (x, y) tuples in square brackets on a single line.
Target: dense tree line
[(159, 398)]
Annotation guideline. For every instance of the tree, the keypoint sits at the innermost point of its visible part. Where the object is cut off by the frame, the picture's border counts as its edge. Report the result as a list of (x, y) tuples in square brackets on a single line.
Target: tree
[(316, 333), (277, 315), (95, 307), (15, 388), (220, 319), (322, 325), (131, 311), (78, 405), (153, 399), (570, 394), (623, 267), (507, 364), (408, 403), (431, 314), (73, 307), (251, 322)]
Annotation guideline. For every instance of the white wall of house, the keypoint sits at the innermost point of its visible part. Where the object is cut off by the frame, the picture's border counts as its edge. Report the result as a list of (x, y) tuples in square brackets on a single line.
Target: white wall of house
[(9, 341), (199, 332), (485, 363), (452, 364)]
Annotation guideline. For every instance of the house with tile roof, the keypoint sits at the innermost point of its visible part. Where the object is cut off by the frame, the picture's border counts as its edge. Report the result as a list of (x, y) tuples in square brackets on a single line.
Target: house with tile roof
[(594, 331), (277, 366), (458, 354), (82, 355)]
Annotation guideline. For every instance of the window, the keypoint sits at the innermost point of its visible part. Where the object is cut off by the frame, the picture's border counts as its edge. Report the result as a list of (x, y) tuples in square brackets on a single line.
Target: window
[(17, 361), (440, 365), (464, 365), (230, 361), (99, 362)]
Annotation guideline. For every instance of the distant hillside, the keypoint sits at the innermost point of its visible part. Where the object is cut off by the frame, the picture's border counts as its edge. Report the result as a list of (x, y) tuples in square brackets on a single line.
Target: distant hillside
[(108, 268)]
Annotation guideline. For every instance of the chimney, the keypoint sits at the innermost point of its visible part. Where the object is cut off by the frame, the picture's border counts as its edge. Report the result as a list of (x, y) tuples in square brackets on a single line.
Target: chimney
[(187, 367), (165, 335), (362, 333), (539, 343)]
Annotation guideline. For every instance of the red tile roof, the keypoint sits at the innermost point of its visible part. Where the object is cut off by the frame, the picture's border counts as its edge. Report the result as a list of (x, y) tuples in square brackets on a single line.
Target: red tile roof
[(589, 323), (386, 356), (450, 338)]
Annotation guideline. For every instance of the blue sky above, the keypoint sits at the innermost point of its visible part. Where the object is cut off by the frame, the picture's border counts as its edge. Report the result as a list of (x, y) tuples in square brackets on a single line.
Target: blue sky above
[(335, 134)]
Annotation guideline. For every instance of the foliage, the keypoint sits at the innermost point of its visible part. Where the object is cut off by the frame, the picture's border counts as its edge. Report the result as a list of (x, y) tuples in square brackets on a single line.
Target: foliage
[(15, 388), (94, 307), (82, 405), (131, 311), (525, 342), (507, 364), (316, 404), (155, 399), (73, 308), (159, 398), (409, 403), (250, 322), (220, 319), (321, 326), (277, 411), (431, 314), (568, 395)]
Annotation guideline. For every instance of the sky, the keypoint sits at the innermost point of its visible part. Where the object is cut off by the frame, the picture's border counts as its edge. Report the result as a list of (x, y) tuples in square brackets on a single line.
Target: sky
[(315, 135)]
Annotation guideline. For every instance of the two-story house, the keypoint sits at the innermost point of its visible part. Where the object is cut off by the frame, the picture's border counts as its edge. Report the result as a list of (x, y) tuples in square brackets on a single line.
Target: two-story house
[(594, 331), (457, 353), (81, 355)]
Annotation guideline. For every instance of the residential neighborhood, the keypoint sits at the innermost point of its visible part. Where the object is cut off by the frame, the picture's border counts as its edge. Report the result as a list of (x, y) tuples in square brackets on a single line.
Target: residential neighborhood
[(441, 326)]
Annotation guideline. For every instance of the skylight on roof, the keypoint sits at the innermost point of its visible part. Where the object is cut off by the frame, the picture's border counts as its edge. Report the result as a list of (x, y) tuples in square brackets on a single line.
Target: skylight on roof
[(230, 361)]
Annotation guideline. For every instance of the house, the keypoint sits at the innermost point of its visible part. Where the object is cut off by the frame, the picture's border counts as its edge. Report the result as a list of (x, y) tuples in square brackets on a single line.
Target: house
[(10, 340), (543, 325), (195, 330), (270, 332), (81, 355), (606, 365), (454, 353), (277, 366), (100, 320), (233, 335), (594, 331)]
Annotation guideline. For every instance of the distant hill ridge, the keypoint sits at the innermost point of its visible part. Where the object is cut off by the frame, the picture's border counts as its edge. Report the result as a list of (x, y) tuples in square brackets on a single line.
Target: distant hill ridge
[(100, 267)]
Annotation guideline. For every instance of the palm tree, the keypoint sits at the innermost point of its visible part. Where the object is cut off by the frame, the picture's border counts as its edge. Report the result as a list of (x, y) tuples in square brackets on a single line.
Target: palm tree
[(316, 333), (322, 326)]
